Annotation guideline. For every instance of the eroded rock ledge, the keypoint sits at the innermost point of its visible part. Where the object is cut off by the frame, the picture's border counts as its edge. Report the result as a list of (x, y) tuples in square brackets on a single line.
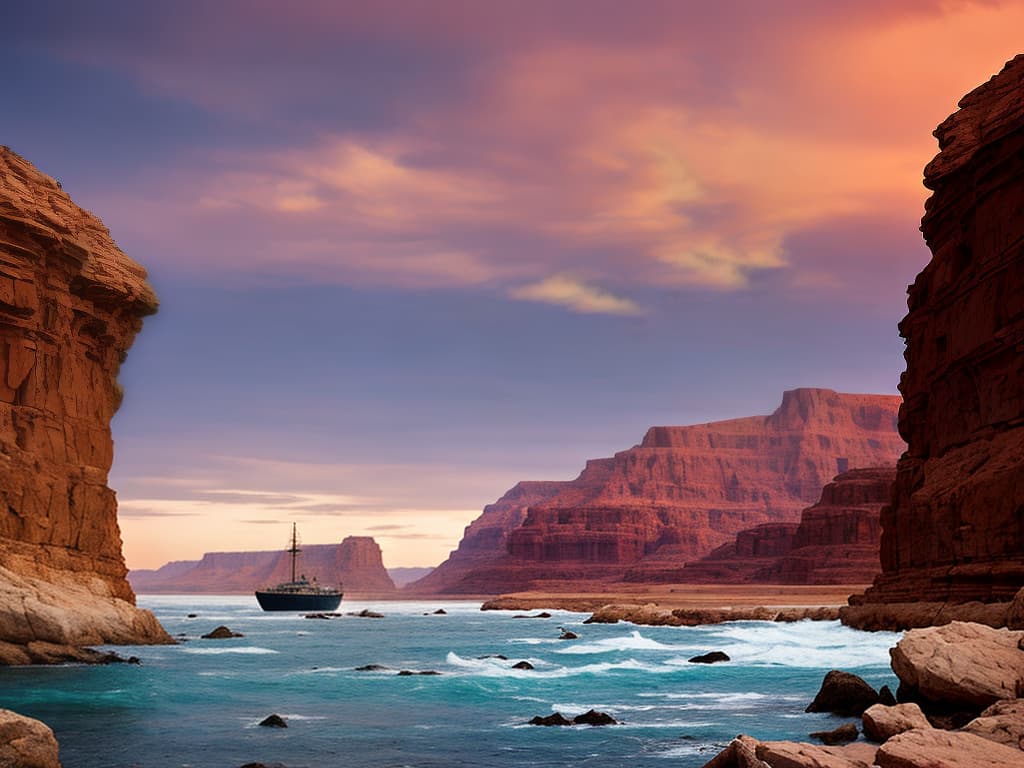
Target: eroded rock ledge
[(71, 304)]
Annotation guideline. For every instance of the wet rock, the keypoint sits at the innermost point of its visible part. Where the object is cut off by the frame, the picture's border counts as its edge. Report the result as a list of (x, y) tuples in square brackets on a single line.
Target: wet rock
[(882, 722), (523, 665), (593, 717), (440, 612), (885, 696), (710, 658), (843, 693), (192, 616), (221, 633), (26, 743), (541, 615), (372, 668), (324, 615), (553, 719), (567, 635), (366, 613), (409, 672), (935, 748), (844, 734), (273, 721), (494, 656)]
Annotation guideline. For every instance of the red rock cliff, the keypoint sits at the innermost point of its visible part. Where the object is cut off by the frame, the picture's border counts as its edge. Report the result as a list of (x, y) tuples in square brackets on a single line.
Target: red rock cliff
[(71, 304), (682, 492), (955, 529), (355, 563)]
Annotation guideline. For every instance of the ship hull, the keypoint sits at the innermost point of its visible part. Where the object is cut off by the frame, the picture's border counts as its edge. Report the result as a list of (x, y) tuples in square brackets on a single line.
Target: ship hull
[(283, 601)]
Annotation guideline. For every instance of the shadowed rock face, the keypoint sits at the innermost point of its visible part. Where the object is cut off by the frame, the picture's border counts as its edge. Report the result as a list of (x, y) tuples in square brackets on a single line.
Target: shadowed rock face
[(355, 563), (955, 529), (70, 305), (679, 494)]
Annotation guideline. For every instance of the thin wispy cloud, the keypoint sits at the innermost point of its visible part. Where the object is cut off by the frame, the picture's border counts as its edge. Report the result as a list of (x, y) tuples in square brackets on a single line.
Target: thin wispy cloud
[(577, 296)]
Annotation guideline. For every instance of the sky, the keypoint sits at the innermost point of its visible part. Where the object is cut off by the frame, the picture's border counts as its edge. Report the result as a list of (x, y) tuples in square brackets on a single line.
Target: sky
[(410, 253)]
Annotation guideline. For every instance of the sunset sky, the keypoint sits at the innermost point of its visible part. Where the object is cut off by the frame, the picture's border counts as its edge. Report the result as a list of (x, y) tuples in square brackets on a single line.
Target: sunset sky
[(409, 253)]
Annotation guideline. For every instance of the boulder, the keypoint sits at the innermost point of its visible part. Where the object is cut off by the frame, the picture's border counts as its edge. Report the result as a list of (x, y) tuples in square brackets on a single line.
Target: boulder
[(882, 722), (741, 753), (593, 717), (372, 668), (567, 635), (555, 718), (714, 657), (885, 696), (440, 612), (959, 664), (26, 743), (843, 693), (273, 721), (935, 748), (221, 633), (522, 665), (1015, 611), (789, 754), (1002, 723), (842, 735)]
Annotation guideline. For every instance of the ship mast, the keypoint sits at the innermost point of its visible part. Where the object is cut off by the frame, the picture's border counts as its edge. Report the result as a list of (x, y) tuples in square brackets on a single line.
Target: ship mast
[(294, 549)]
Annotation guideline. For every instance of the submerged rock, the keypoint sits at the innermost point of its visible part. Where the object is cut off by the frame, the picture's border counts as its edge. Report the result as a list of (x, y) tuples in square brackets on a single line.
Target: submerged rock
[(366, 613), (841, 735), (567, 635), (843, 693), (372, 668), (710, 658), (593, 717), (523, 665), (440, 612), (494, 656), (553, 719), (221, 633), (273, 721), (409, 672)]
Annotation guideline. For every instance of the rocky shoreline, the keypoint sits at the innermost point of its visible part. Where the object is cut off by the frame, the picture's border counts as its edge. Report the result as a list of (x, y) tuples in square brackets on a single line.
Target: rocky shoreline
[(959, 705)]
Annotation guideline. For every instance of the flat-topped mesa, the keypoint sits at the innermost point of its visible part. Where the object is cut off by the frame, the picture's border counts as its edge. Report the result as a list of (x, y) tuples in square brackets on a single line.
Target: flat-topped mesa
[(356, 563), (71, 304), (954, 531), (680, 493)]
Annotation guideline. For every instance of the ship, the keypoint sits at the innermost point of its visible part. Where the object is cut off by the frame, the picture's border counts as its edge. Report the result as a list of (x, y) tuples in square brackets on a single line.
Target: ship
[(299, 594)]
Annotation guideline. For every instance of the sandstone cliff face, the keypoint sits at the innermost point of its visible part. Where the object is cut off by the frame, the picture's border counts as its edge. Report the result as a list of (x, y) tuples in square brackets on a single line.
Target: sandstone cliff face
[(355, 563), (70, 305), (836, 541), (955, 530), (679, 494)]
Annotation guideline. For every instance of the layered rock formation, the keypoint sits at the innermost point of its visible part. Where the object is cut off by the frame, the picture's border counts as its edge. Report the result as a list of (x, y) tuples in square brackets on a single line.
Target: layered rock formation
[(355, 563), (836, 541), (679, 494), (955, 531), (70, 305)]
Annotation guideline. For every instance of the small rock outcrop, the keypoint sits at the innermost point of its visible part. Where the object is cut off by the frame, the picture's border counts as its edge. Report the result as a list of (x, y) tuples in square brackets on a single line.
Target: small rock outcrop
[(221, 633), (954, 532), (843, 693), (714, 657), (679, 494), (26, 743), (593, 717), (556, 718), (844, 734), (71, 304), (274, 721)]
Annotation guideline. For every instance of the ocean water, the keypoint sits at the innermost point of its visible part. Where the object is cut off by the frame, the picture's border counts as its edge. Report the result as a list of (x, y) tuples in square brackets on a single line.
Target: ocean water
[(199, 703)]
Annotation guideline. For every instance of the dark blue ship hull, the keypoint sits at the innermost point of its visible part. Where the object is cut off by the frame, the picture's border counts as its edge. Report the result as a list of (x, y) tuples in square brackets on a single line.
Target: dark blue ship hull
[(297, 601)]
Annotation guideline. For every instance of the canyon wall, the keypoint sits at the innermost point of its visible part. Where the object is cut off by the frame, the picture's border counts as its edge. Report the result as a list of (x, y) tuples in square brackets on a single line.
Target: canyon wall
[(680, 493), (836, 541), (955, 529), (71, 304), (355, 563)]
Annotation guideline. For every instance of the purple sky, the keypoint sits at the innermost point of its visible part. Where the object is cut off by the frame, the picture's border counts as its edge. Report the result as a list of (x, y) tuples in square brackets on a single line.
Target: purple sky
[(409, 253)]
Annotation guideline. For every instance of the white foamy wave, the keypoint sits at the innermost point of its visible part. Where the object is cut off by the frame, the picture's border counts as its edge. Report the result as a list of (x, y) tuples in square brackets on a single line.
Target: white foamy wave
[(634, 642), (804, 644), (542, 669), (249, 649)]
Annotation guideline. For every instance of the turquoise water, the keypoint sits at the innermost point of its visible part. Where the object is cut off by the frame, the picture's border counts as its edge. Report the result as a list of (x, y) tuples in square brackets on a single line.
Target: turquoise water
[(198, 703)]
